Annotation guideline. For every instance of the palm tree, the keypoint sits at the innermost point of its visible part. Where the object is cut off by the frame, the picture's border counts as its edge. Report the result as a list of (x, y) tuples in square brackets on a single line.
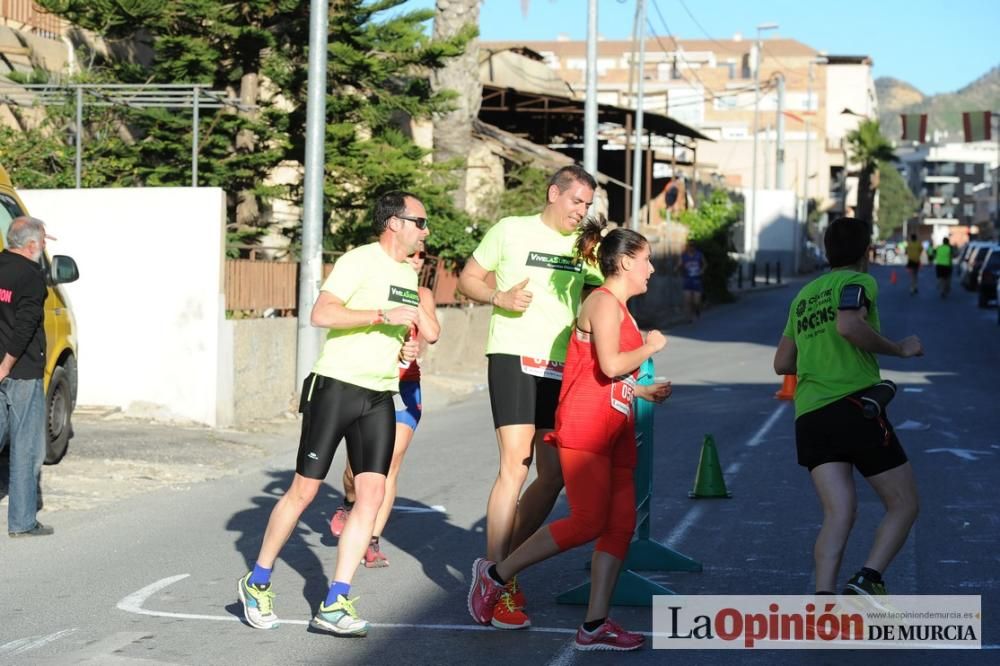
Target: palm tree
[(453, 130), (868, 147)]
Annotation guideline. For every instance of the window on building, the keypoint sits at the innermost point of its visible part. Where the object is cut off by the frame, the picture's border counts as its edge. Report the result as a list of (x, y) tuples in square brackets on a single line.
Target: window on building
[(731, 68), (969, 209), (970, 169), (946, 169), (747, 72), (967, 187)]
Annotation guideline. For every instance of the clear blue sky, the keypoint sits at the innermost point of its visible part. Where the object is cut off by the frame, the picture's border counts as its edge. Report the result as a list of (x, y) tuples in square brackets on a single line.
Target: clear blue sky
[(936, 46)]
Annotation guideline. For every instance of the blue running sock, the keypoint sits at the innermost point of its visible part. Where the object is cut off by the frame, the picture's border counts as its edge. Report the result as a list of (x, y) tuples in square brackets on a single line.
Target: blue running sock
[(259, 575), (336, 590)]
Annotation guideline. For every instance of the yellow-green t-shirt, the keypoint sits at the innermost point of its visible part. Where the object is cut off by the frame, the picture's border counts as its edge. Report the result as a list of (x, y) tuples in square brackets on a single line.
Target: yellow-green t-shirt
[(913, 251), (366, 278), (942, 255), (829, 367), (516, 248)]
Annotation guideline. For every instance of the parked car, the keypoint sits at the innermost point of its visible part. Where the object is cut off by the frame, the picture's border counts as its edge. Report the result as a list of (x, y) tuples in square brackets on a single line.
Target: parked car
[(970, 276), (988, 272), (963, 257), (60, 334)]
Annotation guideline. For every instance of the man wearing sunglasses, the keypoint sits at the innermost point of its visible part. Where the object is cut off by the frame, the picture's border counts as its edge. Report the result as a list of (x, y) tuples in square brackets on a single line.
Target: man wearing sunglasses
[(368, 303), (539, 284)]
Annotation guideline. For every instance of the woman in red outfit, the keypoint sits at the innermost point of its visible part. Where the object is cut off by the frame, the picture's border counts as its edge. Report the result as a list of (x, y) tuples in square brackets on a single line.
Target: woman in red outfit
[(595, 434)]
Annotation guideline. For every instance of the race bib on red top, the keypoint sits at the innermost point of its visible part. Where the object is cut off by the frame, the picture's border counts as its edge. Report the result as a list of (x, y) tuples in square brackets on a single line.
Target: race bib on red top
[(542, 367), (622, 394)]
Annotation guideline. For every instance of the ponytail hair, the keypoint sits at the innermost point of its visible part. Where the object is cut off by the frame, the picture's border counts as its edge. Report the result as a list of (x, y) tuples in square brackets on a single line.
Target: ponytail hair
[(603, 247)]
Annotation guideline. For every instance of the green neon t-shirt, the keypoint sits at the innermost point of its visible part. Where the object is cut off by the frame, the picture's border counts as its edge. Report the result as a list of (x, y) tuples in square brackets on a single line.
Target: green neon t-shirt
[(366, 278), (829, 367), (516, 248)]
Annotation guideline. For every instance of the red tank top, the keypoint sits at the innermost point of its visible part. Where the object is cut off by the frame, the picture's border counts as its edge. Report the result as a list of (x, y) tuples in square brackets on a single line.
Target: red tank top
[(409, 371), (587, 390)]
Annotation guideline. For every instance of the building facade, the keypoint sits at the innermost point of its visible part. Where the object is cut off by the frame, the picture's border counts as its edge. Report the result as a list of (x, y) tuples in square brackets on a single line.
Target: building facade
[(710, 85), (954, 185)]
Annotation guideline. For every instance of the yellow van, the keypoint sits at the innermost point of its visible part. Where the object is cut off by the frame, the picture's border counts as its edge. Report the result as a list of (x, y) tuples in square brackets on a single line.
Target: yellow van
[(60, 334)]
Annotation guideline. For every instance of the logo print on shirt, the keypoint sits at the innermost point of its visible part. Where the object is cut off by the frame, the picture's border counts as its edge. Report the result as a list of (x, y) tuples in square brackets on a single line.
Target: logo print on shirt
[(6, 296), (403, 295), (554, 262)]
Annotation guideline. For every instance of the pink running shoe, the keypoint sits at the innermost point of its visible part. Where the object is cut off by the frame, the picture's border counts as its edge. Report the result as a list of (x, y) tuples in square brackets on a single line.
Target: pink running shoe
[(339, 520), (484, 592), (374, 557), (608, 636)]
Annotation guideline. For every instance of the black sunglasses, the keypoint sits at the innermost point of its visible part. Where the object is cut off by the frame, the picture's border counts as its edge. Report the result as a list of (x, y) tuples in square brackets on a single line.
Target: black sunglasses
[(418, 222), (421, 255)]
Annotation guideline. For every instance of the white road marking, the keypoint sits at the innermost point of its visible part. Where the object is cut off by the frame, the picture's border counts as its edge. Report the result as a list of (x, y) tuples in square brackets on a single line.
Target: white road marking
[(437, 508), (733, 468), (758, 436), (22, 645), (911, 389), (134, 602), (912, 425), (964, 454)]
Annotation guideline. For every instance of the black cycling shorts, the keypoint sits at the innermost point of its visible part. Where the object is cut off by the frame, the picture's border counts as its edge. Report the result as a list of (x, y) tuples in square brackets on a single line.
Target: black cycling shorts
[(333, 410), (839, 432), (942, 271), (518, 398)]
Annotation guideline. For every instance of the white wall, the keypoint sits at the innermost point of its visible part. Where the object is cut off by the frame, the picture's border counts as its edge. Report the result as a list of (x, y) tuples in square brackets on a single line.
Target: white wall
[(149, 303), (778, 232)]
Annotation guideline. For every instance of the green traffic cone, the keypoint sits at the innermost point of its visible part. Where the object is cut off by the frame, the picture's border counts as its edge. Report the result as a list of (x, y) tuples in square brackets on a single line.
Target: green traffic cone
[(708, 481)]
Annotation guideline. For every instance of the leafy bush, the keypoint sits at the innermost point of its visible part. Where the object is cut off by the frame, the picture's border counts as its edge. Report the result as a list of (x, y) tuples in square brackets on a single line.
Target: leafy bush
[(708, 230)]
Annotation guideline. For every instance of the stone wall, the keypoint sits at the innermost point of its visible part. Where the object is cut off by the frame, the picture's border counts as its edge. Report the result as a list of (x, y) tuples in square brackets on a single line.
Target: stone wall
[(263, 368)]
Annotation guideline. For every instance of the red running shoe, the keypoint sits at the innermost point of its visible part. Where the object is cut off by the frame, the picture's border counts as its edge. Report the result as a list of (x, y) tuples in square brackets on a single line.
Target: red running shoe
[(517, 593), (508, 615), (339, 520), (608, 636), (484, 592), (374, 558)]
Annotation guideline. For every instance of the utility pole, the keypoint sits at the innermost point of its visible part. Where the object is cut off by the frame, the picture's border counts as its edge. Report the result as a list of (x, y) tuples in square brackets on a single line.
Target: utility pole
[(779, 155), (637, 155), (750, 231), (311, 261), (590, 105)]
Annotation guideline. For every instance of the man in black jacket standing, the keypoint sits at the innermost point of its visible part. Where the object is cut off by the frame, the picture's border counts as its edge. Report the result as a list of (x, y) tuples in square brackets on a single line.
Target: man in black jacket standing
[(22, 368)]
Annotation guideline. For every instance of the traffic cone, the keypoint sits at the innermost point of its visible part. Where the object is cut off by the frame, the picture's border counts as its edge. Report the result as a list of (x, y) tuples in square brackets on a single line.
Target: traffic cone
[(892, 277), (787, 390), (708, 481)]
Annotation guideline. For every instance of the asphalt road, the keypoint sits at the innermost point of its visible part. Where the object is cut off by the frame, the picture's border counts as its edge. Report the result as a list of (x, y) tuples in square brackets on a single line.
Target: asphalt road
[(149, 578)]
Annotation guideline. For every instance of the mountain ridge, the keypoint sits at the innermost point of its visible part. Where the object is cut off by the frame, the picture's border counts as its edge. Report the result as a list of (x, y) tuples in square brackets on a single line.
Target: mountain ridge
[(944, 110)]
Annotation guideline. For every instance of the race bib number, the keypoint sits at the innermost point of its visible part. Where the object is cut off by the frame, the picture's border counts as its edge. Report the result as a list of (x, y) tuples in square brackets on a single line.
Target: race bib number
[(622, 394), (541, 367)]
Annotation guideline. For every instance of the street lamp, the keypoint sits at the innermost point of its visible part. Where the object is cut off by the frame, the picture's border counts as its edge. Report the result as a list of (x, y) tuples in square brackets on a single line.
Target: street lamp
[(751, 246), (805, 181)]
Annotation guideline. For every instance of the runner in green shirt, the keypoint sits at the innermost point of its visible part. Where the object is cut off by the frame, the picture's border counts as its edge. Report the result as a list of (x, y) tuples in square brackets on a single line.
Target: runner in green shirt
[(539, 283), (943, 256), (368, 303), (830, 341)]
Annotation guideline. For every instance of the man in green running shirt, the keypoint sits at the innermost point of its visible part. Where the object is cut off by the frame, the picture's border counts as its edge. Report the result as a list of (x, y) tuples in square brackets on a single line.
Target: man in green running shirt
[(830, 342), (942, 265)]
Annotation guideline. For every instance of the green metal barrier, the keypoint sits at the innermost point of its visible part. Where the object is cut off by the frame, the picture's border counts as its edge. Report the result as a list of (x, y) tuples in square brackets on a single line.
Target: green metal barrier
[(644, 554)]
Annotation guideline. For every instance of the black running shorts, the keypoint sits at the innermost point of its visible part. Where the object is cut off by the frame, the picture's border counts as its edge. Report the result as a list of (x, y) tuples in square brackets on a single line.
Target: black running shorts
[(518, 398), (333, 410), (942, 271), (839, 432)]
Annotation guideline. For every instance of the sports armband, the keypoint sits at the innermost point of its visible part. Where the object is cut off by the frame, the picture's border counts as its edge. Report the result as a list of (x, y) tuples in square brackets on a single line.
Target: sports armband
[(853, 297)]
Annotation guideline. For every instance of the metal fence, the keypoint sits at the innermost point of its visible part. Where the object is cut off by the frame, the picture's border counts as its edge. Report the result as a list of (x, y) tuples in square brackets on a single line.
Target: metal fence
[(29, 15)]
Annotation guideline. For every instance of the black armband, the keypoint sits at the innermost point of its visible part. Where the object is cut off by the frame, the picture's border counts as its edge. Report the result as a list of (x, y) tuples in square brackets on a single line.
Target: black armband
[(853, 297)]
